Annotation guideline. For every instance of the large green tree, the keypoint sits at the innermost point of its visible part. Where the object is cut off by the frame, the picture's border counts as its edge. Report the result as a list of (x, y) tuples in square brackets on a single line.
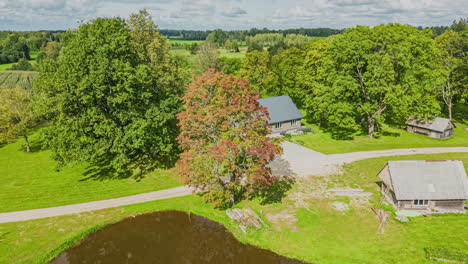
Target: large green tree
[(114, 94), (16, 115), (256, 69), (453, 57), (224, 137), (386, 73)]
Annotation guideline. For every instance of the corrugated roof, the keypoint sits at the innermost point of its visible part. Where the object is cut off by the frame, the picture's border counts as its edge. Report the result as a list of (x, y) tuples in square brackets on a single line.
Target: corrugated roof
[(429, 180), (280, 108), (437, 124)]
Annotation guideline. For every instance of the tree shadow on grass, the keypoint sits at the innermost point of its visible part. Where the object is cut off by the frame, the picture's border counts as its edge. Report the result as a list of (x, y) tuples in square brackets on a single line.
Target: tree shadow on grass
[(390, 134), (102, 169), (281, 170)]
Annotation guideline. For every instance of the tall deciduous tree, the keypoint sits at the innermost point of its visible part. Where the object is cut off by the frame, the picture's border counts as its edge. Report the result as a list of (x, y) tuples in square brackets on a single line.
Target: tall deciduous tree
[(115, 88), (224, 137), (256, 69), (207, 57), (381, 74), (453, 60), (16, 115)]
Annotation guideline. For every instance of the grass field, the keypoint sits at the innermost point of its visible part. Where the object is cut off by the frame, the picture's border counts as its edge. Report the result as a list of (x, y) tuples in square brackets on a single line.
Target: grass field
[(304, 225), (185, 42), (6, 66), (10, 79), (30, 180), (392, 139)]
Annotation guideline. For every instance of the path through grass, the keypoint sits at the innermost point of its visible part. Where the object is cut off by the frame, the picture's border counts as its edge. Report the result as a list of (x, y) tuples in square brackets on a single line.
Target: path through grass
[(303, 225), (30, 181), (392, 139)]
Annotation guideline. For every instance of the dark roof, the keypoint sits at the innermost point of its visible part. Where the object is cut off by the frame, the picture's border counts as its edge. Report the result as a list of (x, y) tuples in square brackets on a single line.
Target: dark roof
[(280, 108), (437, 124), (428, 180)]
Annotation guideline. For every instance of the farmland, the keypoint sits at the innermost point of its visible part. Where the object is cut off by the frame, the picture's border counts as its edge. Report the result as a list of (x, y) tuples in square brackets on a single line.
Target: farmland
[(10, 79)]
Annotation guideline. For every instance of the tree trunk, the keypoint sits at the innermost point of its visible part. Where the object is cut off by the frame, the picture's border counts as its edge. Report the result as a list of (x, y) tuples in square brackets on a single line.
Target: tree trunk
[(28, 149), (371, 124), (449, 106), (231, 199), (232, 179)]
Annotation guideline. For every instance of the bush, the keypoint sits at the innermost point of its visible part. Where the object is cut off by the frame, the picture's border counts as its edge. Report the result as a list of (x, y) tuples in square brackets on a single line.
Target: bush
[(447, 254), (307, 130), (22, 65)]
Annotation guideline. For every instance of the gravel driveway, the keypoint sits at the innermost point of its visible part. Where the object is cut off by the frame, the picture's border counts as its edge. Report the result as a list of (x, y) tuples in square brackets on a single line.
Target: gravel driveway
[(307, 162), (296, 159)]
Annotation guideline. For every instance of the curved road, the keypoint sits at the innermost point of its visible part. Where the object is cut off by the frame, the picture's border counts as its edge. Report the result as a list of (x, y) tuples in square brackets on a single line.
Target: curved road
[(302, 161)]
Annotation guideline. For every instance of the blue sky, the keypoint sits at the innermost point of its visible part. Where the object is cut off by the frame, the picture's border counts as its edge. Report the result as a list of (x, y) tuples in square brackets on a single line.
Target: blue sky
[(232, 14)]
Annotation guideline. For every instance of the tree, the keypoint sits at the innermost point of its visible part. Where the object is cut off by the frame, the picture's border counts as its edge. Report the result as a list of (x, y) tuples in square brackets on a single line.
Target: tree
[(115, 88), (382, 74), (453, 60), (287, 67), (256, 69), (16, 116), (50, 51), (207, 57), (22, 65), (230, 65), (224, 137), (218, 37)]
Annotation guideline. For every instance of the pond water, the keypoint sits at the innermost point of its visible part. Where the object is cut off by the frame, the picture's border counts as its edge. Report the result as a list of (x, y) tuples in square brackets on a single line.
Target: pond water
[(166, 237)]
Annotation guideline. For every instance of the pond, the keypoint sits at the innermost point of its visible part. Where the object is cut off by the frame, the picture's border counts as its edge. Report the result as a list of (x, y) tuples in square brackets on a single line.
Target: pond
[(166, 237)]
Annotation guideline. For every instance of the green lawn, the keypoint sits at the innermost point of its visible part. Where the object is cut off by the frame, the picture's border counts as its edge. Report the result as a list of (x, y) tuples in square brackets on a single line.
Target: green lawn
[(394, 139), (314, 231), (29, 181), (6, 66), (185, 42)]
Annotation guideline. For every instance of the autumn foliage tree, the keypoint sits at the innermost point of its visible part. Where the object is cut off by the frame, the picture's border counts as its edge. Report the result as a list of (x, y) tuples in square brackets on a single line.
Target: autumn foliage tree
[(224, 139)]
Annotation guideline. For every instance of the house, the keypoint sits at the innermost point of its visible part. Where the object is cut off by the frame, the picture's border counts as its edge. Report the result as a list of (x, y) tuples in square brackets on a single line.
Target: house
[(438, 127), (284, 115), (419, 185)]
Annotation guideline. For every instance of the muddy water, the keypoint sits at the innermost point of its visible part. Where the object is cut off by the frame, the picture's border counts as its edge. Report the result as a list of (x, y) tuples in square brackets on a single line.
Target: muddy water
[(166, 237)]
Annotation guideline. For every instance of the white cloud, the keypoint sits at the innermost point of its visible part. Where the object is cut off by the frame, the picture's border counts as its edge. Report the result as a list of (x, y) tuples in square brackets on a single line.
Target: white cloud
[(233, 14)]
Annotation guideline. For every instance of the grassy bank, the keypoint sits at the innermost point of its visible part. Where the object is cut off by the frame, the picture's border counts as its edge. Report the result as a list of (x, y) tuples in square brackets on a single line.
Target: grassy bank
[(31, 180), (305, 225), (393, 138)]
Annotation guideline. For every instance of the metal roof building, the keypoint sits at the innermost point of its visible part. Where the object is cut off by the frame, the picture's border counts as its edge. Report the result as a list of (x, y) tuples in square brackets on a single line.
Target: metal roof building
[(443, 182), (280, 108)]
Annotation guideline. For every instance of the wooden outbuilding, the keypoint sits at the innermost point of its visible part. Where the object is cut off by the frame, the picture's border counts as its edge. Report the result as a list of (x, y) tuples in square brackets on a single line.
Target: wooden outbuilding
[(438, 127), (284, 115), (421, 185)]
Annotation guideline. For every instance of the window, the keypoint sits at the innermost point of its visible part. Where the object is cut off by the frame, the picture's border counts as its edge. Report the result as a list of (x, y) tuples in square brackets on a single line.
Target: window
[(420, 202), (278, 125), (293, 122)]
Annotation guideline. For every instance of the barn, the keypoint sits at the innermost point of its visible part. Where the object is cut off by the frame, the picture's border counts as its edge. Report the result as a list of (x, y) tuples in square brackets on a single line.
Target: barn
[(438, 127), (421, 185)]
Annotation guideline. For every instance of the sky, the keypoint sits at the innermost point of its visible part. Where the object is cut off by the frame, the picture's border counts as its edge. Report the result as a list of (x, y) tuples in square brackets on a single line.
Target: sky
[(23, 15)]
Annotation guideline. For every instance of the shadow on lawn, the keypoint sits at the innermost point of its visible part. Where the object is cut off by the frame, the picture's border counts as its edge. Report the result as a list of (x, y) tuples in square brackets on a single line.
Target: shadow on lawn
[(281, 170), (102, 169)]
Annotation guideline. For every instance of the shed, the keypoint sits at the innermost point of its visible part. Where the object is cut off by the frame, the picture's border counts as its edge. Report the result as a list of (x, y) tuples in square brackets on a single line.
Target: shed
[(284, 115), (438, 127), (419, 184)]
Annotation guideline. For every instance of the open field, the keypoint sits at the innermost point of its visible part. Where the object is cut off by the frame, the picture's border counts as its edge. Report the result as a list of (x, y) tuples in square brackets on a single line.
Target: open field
[(6, 66), (10, 79), (393, 138), (185, 42), (305, 225), (30, 180)]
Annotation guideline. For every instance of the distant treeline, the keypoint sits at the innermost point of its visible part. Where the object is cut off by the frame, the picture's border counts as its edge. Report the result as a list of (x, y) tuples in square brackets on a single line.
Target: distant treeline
[(241, 35), (18, 45)]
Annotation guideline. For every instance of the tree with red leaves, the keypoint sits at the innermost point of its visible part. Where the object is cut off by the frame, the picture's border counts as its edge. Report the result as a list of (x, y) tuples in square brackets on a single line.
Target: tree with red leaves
[(224, 139)]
